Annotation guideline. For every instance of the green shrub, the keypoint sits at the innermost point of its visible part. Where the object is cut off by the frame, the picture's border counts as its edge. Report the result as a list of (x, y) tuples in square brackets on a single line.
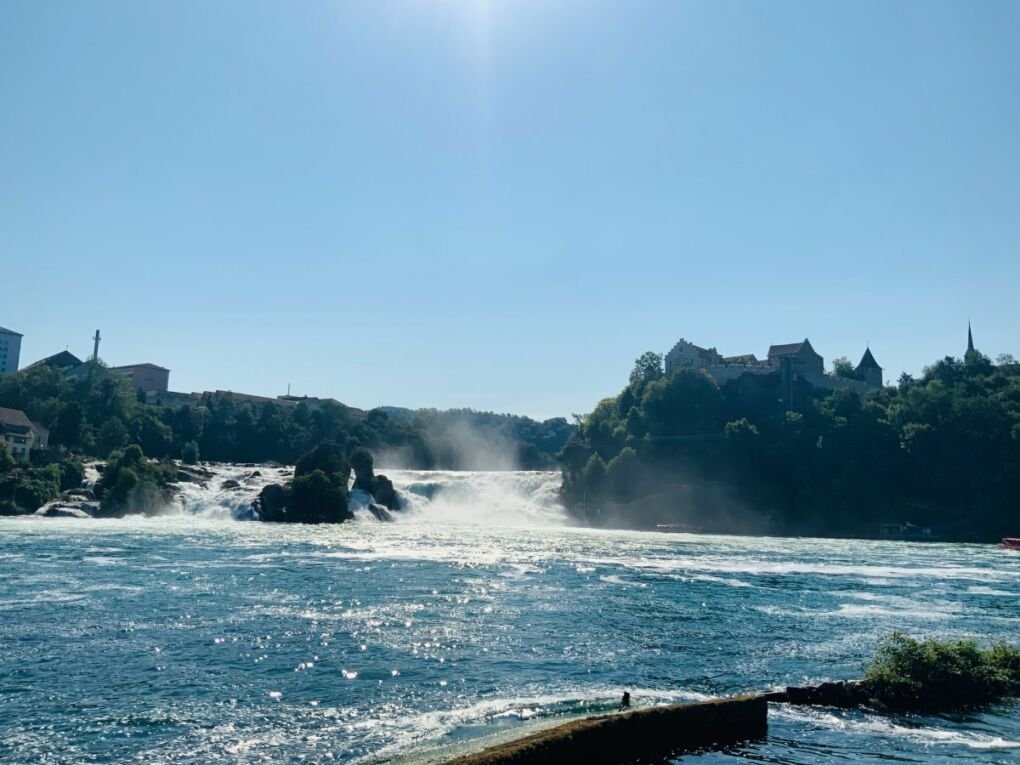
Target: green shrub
[(7, 461), (327, 457), (25, 490), (932, 675)]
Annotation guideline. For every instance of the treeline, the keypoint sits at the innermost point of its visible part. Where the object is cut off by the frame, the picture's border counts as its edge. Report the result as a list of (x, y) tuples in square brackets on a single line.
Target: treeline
[(941, 451), (94, 412)]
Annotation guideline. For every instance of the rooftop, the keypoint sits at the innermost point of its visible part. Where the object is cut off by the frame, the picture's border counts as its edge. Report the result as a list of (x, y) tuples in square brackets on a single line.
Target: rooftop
[(62, 359), (5, 331), (14, 418), (789, 349), (744, 358), (868, 361), (145, 365)]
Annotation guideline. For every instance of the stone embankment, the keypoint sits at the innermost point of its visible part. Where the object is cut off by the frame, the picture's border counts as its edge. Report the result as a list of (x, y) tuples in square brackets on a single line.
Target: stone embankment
[(648, 735), (640, 735)]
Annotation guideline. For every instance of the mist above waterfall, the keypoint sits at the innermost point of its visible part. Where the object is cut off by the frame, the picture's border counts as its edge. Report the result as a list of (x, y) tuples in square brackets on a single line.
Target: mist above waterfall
[(465, 439), (468, 447)]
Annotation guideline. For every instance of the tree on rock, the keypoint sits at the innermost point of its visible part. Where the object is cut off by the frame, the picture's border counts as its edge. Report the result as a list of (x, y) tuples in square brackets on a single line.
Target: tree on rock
[(319, 498), (318, 493), (327, 457)]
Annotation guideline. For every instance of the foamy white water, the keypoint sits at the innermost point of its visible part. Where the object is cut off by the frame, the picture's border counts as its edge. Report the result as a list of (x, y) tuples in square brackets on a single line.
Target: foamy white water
[(489, 498)]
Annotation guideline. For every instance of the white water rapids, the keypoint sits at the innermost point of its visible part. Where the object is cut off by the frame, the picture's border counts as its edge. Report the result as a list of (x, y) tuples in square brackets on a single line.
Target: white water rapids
[(501, 498)]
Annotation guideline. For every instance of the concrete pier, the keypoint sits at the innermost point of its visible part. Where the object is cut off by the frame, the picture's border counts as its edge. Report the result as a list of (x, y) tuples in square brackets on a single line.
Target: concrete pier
[(642, 734)]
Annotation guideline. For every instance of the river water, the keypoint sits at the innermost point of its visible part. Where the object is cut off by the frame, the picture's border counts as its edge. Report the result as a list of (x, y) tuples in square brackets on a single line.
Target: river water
[(198, 638)]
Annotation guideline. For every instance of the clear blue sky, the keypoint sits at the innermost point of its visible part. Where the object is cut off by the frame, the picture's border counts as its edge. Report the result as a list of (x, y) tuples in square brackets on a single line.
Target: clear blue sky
[(501, 204)]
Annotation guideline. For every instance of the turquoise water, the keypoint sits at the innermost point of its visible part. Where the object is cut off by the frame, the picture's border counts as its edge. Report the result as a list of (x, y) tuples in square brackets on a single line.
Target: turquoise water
[(199, 639)]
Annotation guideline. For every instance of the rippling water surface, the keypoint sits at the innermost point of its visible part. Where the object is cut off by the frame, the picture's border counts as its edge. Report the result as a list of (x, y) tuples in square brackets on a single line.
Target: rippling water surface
[(193, 638)]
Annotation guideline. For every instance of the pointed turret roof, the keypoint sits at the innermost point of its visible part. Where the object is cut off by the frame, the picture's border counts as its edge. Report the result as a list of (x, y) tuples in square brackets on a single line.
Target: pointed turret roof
[(970, 339), (868, 361)]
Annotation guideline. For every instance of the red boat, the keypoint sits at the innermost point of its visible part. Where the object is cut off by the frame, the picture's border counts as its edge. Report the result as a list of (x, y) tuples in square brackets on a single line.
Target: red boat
[(1010, 543)]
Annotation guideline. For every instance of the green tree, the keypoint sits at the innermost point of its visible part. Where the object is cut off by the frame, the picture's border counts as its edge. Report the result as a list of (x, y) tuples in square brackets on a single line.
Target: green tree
[(327, 457), (594, 479), (67, 430), (687, 402), (7, 461), (843, 367), (152, 434), (624, 474), (647, 367), (112, 435)]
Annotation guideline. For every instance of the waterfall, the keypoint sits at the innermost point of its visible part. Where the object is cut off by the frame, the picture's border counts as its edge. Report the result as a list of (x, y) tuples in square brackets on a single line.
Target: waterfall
[(497, 498), (503, 498), (227, 491)]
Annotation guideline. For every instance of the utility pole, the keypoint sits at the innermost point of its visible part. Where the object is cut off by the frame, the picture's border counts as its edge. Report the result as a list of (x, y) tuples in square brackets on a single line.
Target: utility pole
[(95, 348)]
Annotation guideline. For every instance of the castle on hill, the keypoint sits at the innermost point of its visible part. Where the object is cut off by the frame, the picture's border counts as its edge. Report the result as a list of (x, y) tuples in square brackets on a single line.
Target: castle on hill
[(793, 363)]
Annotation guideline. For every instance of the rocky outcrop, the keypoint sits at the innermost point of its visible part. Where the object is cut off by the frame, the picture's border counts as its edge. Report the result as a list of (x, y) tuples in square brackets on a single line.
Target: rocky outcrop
[(193, 474), (271, 504), (318, 493), (847, 694), (68, 510), (365, 479), (380, 513), (363, 465), (384, 493)]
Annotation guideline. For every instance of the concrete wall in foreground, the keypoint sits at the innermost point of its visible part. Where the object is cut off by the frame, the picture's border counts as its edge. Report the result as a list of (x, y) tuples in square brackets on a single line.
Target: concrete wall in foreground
[(644, 734)]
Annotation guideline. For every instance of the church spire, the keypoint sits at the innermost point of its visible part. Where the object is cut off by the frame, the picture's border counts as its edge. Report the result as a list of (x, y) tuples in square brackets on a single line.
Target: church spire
[(970, 339)]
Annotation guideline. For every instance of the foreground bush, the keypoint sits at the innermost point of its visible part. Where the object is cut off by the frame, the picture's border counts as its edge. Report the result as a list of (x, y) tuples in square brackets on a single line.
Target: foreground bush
[(932, 675)]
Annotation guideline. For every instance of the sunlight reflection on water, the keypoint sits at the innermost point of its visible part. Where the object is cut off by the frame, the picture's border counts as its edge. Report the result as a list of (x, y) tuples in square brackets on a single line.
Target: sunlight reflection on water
[(201, 640)]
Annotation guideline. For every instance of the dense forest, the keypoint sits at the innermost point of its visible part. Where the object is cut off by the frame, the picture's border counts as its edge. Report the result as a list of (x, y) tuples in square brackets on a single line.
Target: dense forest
[(92, 412), (941, 451)]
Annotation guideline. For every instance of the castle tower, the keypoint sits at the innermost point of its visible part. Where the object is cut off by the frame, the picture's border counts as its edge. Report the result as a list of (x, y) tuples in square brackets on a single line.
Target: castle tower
[(869, 370)]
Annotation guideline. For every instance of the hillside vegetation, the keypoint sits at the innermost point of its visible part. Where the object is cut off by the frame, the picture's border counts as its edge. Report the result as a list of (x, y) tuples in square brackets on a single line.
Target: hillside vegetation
[(941, 451), (94, 412)]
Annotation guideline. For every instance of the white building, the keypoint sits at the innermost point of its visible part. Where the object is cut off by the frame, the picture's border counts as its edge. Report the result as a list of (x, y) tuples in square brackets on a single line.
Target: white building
[(146, 377), (691, 356), (21, 434), (10, 350), (793, 361)]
